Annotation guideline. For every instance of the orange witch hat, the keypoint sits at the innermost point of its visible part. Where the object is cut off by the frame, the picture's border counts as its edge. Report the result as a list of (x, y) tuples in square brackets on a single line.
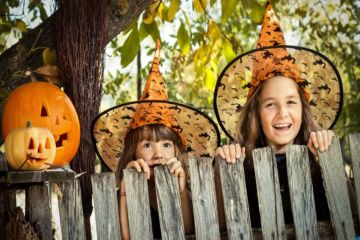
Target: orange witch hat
[(314, 72), (198, 132)]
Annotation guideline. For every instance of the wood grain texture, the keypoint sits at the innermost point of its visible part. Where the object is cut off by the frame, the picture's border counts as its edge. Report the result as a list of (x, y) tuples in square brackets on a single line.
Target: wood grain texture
[(354, 142), (169, 205), (14, 177), (138, 204), (235, 199), (105, 206), (204, 198), (301, 192), (37, 209), (70, 210), (268, 190), (333, 172)]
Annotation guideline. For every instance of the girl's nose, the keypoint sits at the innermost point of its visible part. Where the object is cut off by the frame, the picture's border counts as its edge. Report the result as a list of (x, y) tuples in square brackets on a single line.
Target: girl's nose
[(157, 152), (283, 111)]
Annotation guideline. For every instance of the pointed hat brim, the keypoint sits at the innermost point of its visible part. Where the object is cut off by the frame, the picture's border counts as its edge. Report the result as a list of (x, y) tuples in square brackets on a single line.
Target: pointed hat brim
[(317, 74), (110, 127)]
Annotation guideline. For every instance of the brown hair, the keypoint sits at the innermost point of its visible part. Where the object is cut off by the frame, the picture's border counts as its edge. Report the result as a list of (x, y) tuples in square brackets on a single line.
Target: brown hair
[(150, 132), (249, 130)]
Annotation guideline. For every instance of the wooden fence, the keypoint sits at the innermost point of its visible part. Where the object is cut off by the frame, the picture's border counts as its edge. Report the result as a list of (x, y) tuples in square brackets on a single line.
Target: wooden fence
[(38, 212)]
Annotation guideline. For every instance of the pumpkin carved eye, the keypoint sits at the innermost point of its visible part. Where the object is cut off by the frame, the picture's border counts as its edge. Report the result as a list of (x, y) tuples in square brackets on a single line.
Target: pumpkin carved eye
[(44, 112), (31, 144)]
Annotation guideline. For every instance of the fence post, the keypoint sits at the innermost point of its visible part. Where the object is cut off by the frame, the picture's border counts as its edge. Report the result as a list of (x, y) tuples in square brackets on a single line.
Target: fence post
[(38, 208), (169, 205), (301, 192), (105, 206), (235, 199), (138, 204), (268, 190), (204, 198), (354, 141), (333, 172), (70, 210)]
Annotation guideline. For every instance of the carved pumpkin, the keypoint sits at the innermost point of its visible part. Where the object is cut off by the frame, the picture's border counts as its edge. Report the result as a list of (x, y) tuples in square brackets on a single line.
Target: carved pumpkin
[(30, 148), (45, 105)]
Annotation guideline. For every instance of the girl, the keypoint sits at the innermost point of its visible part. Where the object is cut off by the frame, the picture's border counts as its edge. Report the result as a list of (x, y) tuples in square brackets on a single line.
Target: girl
[(153, 131), (289, 94)]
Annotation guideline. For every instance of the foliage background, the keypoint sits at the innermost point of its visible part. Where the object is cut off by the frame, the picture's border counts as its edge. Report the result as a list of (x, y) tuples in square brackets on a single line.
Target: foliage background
[(199, 37)]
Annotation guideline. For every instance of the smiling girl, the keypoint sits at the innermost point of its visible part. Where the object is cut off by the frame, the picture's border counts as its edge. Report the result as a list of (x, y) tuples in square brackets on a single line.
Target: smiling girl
[(290, 95)]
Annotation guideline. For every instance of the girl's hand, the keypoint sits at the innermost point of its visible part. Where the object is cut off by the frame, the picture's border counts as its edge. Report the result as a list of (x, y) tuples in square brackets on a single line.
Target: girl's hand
[(230, 152), (320, 140), (178, 171), (139, 165)]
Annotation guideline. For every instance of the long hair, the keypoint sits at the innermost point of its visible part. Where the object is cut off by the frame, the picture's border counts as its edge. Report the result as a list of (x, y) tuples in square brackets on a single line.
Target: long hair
[(249, 130), (150, 132)]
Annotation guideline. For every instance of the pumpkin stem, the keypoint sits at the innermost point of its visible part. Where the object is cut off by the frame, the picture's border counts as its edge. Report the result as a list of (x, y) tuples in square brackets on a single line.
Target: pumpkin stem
[(28, 124)]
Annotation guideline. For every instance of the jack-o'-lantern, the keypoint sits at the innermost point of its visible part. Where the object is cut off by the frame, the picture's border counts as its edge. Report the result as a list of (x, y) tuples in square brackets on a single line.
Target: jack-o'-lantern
[(30, 148), (45, 105)]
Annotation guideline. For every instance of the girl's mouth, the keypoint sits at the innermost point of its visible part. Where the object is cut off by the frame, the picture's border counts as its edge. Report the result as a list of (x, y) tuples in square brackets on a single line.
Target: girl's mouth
[(282, 126)]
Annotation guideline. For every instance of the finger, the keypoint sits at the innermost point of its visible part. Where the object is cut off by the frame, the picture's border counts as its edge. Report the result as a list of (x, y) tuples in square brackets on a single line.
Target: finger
[(227, 153), (232, 153), (171, 161), (133, 165), (145, 167), (175, 166), (179, 172), (324, 134), (320, 140), (314, 140), (237, 151), (243, 151), (220, 152), (331, 135)]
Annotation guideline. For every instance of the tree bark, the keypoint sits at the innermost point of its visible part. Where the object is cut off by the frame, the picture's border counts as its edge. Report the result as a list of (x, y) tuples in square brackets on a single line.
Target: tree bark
[(27, 53)]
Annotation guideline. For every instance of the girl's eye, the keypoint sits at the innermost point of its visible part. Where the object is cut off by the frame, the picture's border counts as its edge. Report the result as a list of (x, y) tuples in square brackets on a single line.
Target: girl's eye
[(292, 102), (147, 145), (167, 144), (267, 105)]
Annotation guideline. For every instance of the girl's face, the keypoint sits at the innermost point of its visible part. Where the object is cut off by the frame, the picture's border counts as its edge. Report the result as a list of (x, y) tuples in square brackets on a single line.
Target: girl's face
[(155, 153), (280, 112)]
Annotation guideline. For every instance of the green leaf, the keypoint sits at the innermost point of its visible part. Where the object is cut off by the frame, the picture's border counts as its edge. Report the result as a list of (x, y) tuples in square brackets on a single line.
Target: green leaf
[(173, 9), (19, 24), (183, 39), (130, 48), (210, 78), (213, 32), (256, 12), (227, 51), (227, 8), (149, 29), (49, 56), (199, 5)]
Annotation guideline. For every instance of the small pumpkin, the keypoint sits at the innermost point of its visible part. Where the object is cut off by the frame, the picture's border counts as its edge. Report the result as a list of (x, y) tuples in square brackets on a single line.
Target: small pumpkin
[(45, 105), (30, 148)]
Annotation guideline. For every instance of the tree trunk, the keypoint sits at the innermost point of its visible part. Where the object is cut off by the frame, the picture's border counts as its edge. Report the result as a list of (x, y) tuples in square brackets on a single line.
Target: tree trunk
[(27, 53)]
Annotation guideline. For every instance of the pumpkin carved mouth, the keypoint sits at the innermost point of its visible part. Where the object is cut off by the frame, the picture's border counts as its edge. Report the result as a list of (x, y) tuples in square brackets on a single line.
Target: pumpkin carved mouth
[(61, 140)]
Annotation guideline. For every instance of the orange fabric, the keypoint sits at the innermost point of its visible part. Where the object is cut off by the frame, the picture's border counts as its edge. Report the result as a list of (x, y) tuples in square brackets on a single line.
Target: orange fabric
[(275, 61), (146, 112)]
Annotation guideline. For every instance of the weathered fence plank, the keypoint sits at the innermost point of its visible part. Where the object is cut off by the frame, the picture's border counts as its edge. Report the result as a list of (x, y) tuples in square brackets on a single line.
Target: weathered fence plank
[(354, 142), (70, 210), (268, 190), (7, 205), (138, 204), (17, 177), (105, 206), (169, 205), (301, 192), (204, 198), (333, 172), (38, 209), (235, 200)]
